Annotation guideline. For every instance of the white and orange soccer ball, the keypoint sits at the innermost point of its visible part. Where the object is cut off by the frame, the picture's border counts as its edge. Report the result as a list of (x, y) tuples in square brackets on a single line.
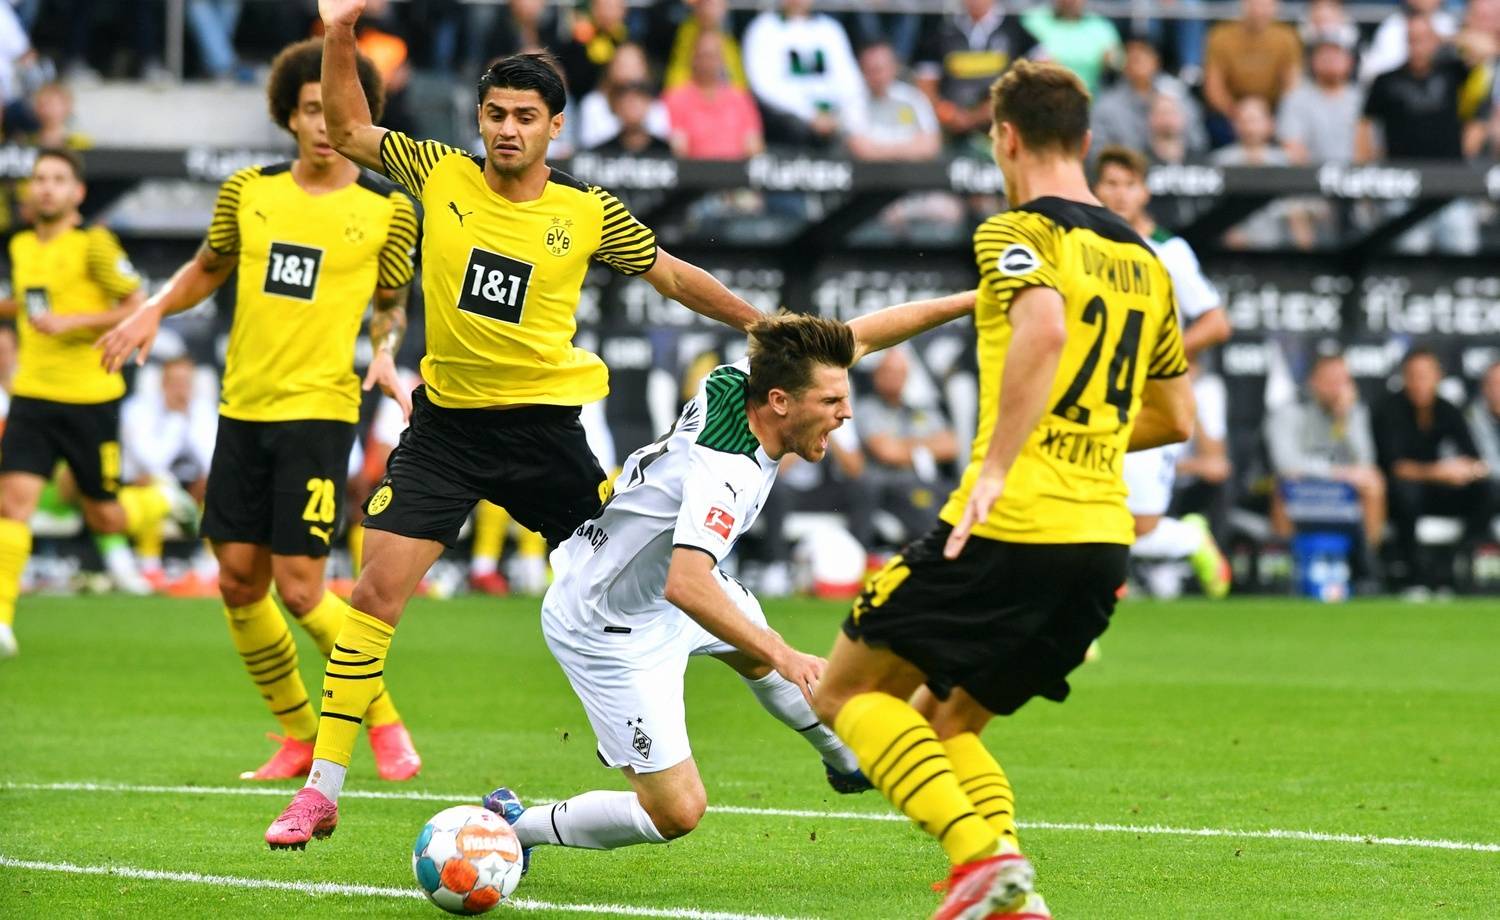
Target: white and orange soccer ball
[(467, 859)]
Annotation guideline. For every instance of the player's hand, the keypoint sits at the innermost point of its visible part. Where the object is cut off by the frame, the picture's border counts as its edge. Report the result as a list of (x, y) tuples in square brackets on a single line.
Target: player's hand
[(987, 490), (803, 670), (133, 334), (383, 373), (340, 12), (52, 324)]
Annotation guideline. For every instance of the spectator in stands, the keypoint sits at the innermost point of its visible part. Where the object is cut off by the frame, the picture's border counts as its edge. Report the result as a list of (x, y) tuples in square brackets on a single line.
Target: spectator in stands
[(1431, 463), (168, 434), (1325, 20), (1253, 56), (905, 445), (713, 119), (212, 23), (1318, 118), (1484, 421), (631, 105), (897, 122), (1328, 437), (961, 55), (1169, 141), (1085, 43), (469, 34), (709, 16), (379, 39), (1282, 221), (1416, 106), (595, 37), (802, 69), (53, 105), (1122, 113), (597, 121), (1389, 46)]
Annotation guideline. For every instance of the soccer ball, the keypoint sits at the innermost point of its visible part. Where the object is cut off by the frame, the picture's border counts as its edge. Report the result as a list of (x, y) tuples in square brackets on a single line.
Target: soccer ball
[(467, 859)]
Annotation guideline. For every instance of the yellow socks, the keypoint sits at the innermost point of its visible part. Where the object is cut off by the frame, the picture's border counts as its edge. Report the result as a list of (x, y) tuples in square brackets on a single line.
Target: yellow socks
[(531, 545), (15, 549), (902, 756), (323, 623), (356, 547), (986, 785), (145, 508), (351, 684), (490, 524), (270, 656)]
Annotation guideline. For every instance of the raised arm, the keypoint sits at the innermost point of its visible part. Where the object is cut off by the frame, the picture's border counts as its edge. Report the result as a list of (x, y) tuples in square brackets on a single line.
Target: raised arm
[(893, 325), (699, 291), (351, 130)]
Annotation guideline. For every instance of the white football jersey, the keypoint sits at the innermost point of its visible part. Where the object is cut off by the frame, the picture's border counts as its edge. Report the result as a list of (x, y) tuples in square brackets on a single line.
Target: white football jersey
[(1196, 295), (700, 485)]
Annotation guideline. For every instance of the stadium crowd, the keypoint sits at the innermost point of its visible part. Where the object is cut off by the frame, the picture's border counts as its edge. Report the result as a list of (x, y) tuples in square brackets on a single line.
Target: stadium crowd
[(695, 79)]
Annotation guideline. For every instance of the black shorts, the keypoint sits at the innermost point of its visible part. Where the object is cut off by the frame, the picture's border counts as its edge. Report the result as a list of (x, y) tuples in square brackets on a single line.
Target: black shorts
[(1004, 621), (278, 484), (533, 461), (39, 432)]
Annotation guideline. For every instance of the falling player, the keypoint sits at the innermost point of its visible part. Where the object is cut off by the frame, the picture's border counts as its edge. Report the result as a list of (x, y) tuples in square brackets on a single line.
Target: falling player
[(314, 240), (1120, 183), (1080, 359), (506, 242), (71, 282)]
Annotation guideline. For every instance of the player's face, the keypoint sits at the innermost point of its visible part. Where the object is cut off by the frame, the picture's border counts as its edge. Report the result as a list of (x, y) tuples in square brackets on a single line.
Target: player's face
[(1122, 191), (310, 129), (516, 129), (54, 190), (814, 414)]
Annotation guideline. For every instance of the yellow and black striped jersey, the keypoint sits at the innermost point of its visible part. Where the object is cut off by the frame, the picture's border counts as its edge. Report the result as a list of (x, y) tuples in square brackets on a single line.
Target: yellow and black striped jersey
[(501, 279), (1122, 328), (79, 271), (308, 266)]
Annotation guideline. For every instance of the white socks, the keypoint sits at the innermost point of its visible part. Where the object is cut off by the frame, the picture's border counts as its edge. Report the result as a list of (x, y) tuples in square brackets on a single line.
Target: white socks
[(1172, 539), (594, 821), (782, 699), (328, 778)]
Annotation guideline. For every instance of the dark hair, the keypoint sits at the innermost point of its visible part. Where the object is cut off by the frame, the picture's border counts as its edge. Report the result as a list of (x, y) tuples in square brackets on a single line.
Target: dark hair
[(301, 63), (1420, 351), (67, 155), (533, 70), (1047, 104), (1123, 157), (785, 348)]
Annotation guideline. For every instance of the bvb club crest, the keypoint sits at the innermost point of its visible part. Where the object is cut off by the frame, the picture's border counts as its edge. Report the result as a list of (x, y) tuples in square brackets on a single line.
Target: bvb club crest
[(558, 239), (354, 233), (380, 501)]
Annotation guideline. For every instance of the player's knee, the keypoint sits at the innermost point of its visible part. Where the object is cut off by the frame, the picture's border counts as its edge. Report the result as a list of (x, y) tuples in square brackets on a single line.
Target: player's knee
[(678, 816), (300, 595), (239, 589), (374, 599), (104, 517)]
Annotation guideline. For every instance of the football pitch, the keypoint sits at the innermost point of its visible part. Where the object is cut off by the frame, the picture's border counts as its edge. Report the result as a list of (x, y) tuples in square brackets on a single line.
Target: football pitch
[(1256, 758)]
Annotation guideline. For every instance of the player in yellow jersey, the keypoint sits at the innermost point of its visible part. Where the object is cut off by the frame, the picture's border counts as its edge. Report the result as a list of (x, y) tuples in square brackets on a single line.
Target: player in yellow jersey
[(1080, 360), (313, 241), (506, 242), (70, 282)]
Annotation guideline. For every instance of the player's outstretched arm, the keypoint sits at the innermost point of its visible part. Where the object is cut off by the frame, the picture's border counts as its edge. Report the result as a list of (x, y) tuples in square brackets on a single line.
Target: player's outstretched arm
[(699, 291), (192, 284), (692, 588), (1167, 413), (894, 325), (1038, 334), (351, 129)]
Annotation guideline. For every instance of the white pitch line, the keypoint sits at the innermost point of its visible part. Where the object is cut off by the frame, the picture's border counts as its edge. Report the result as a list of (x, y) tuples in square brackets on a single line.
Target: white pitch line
[(1087, 827), (374, 891)]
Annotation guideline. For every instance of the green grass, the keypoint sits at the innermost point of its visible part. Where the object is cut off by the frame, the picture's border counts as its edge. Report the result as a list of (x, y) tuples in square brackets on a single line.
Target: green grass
[(1375, 719)]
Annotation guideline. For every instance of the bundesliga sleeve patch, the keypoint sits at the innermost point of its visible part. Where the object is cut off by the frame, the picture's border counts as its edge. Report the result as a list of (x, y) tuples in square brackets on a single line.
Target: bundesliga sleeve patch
[(720, 521), (1018, 260)]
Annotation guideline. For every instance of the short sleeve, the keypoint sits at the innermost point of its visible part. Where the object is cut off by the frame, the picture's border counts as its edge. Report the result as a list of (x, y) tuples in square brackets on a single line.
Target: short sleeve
[(396, 255), (109, 266), (409, 161), (718, 494), (625, 244), (224, 229), (1168, 359), (1016, 250)]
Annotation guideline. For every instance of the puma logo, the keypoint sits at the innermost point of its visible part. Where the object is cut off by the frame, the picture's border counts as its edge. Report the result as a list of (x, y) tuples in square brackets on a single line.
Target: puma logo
[(735, 492), (453, 206), (322, 533)]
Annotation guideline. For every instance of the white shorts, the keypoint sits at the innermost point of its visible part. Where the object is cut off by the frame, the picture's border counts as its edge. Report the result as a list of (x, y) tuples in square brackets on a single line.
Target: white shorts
[(1149, 475), (630, 684)]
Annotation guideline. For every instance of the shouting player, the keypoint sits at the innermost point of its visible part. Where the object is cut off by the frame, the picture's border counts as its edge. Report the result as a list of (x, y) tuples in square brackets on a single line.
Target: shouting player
[(505, 246), (1080, 360), (1120, 183), (313, 240), (639, 590), (70, 282)]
